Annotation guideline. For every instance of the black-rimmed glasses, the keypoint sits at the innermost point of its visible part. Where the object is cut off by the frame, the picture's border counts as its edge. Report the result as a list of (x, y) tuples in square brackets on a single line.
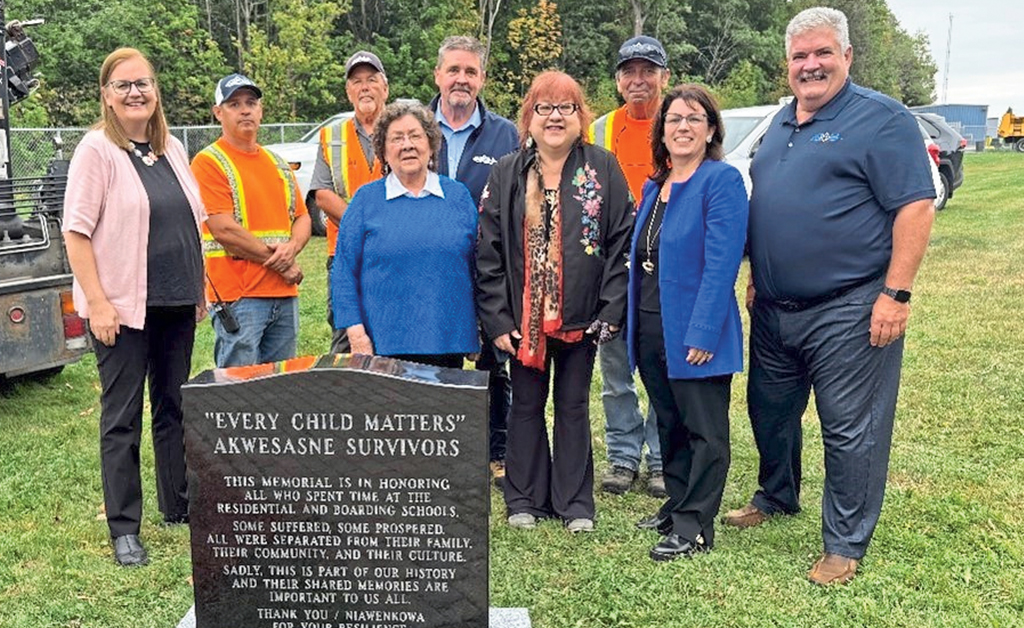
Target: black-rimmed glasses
[(121, 88), (546, 109)]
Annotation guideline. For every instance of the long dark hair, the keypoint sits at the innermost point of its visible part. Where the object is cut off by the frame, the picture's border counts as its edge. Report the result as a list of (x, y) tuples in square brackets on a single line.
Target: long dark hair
[(693, 95)]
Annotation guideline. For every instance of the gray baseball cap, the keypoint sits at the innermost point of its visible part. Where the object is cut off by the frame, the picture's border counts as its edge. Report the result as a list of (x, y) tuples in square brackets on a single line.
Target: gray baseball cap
[(232, 83), (363, 57)]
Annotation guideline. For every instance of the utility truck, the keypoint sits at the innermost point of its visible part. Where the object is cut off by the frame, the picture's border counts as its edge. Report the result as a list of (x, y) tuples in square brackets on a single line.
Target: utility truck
[(1011, 130), (40, 331)]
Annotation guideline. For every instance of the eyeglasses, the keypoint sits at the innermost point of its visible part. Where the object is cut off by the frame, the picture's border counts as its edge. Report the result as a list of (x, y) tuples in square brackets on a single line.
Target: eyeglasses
[(398, 140), (144, 85), (691, 120), (546, 109)]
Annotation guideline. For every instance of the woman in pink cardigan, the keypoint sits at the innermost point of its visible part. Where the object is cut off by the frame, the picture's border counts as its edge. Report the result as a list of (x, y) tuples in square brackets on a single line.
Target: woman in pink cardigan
[(131, 221)]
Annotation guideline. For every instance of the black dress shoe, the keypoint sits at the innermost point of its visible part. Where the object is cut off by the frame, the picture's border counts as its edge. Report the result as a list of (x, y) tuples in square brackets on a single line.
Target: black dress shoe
[(674, 546), (129, 552), (656, 522)]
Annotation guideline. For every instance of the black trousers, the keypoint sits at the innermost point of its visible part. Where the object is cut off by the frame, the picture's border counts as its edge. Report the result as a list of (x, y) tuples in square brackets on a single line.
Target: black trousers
[(556, 480), (499, 392), (161, 353), (693, 428)]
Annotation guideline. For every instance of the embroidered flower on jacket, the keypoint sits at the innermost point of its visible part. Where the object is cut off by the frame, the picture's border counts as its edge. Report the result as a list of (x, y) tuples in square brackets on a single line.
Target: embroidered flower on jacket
[(586, 193)]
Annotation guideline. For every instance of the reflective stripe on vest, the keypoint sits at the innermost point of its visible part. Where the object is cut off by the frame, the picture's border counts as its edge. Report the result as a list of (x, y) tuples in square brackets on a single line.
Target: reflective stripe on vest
[(603, 130), (212, 248), (335, 148), (343, 151)]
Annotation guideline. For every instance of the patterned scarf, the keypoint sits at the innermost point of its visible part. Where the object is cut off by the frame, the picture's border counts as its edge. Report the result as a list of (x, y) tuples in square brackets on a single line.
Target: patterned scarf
[(542, 289)]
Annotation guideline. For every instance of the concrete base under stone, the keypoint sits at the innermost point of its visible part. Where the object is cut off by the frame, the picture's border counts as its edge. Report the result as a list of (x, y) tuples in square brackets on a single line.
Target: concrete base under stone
[(500, 618)]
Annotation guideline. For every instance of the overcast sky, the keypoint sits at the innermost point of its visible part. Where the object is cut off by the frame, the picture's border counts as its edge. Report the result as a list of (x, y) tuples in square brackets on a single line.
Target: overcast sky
[(986, 63)]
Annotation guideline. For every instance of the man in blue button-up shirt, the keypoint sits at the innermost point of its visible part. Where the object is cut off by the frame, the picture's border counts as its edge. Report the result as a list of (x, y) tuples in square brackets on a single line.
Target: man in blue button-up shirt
[(474, 140), (840, 215)]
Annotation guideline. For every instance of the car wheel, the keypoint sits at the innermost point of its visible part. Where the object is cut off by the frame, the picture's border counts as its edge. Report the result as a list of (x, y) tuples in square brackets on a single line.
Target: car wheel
[(1019, 145), (943, 193), (318, 217)]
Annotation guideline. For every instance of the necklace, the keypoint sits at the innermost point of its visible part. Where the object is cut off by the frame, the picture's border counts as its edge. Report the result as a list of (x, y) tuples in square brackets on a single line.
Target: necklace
[(149, 158), (648, 264)]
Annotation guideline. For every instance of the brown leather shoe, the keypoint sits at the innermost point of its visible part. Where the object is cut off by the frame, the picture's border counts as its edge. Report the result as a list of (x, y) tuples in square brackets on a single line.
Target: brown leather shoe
[(498, 473), (833, 569), (746, 517)]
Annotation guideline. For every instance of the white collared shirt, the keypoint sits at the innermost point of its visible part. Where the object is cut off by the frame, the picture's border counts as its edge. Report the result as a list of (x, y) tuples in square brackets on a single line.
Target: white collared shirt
[(393, 188)]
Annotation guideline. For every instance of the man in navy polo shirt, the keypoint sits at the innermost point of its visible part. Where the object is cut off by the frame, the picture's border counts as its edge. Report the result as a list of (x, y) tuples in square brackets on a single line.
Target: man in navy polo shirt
[(473, 141), (840, 215)]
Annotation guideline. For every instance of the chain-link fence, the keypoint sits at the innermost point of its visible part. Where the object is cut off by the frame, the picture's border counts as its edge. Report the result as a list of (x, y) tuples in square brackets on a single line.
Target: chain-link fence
[(33, 149)]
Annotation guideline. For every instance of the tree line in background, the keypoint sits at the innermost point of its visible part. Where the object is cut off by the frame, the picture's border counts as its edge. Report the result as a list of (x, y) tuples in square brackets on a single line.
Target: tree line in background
[(296, 49)]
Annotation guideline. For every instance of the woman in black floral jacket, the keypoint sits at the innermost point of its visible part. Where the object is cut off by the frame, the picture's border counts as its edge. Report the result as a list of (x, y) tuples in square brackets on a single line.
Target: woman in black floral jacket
[(554, 232)]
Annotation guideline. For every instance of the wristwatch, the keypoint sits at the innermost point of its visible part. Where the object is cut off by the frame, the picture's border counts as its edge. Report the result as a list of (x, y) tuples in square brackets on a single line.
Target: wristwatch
[(899, 296)]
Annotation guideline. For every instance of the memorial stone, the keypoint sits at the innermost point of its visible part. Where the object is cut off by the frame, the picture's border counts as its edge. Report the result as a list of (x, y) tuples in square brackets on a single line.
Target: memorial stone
[(338, 492)]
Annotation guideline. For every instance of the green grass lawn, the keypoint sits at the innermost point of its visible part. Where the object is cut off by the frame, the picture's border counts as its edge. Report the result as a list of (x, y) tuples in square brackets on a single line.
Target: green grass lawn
[(949, 550)]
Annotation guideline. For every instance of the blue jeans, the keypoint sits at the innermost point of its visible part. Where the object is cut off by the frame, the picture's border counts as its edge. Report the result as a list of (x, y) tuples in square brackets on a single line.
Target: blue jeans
[(824, 348), (268, 332), (625, 430)]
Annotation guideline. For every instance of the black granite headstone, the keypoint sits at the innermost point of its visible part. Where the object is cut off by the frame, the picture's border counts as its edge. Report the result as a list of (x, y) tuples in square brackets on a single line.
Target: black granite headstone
[(338, 492)]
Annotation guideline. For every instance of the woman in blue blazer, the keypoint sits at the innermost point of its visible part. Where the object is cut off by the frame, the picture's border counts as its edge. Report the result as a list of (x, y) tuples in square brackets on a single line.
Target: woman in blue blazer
[(683, 323)]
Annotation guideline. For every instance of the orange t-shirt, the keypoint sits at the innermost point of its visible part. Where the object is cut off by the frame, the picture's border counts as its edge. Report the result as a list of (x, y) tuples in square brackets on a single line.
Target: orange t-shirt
[(631, 144), (266, 211)]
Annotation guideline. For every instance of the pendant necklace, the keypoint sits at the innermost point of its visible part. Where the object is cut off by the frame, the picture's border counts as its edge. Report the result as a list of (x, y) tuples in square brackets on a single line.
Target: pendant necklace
[(149, 158), (648, 264)]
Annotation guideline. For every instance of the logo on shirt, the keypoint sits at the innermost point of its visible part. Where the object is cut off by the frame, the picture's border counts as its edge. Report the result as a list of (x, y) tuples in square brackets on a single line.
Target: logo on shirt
[(826, 137), (485, 159)]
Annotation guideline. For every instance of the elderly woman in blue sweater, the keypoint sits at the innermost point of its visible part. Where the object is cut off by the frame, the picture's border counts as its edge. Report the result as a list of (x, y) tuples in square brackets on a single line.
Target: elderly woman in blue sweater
[(402, 281), (683, 322)]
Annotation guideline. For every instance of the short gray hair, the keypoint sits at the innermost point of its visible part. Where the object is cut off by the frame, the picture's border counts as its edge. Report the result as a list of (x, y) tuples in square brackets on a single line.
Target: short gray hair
[(400, 109), (819, 17), (461, 42)]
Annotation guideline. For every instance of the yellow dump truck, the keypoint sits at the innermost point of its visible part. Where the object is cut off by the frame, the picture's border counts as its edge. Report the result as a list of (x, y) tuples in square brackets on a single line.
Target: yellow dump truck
[(1011, 130)]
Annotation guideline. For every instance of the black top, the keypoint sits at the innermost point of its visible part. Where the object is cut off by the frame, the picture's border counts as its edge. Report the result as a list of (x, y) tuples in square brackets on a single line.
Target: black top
[(650, 294), (174, 254), (596, 218)]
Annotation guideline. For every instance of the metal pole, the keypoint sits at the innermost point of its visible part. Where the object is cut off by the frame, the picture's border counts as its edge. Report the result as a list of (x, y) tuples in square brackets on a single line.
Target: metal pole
[(5, 124)]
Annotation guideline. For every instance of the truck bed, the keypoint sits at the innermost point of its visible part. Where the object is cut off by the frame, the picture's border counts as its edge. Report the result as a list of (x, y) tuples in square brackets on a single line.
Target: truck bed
[(39, 330)]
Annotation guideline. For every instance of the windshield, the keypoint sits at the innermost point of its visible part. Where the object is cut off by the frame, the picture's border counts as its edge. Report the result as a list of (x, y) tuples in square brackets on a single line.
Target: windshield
[(737, 128)]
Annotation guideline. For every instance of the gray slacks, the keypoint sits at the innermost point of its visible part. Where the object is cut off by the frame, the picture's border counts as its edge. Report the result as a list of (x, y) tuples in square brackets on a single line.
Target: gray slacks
[(825, 348)]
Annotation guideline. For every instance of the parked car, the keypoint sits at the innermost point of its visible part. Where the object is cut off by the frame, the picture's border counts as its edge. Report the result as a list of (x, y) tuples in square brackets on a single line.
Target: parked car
[(951, 151), (745, 128), (933, 152), (301, 156)]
